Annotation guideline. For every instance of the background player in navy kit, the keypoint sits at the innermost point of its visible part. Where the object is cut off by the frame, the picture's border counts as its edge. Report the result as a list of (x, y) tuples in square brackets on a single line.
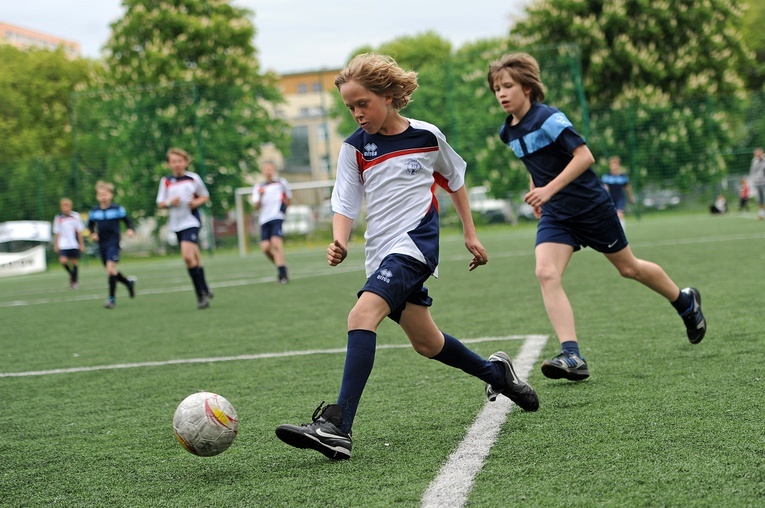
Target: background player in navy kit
[(104, 225), (68, 242), (573, 207), (182, 193), (271, 197), (618, 186), (395, 163)]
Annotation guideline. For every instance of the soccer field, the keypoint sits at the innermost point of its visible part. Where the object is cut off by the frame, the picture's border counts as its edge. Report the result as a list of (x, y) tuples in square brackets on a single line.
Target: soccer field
[(88, 394)]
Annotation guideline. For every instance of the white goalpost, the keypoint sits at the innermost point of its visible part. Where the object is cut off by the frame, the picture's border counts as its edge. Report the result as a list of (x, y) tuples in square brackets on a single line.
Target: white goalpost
[(306, 193)]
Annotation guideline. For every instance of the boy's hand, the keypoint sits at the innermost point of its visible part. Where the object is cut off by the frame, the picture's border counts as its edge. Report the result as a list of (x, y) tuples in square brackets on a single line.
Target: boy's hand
[(94, 237), (479, 253), (130, 233), (336, 253)]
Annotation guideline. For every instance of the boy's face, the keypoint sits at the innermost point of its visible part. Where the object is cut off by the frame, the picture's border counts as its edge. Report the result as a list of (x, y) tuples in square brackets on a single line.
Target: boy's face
[(66, 207), (177, 163), (511, 95), (104, 196), (371, 111)]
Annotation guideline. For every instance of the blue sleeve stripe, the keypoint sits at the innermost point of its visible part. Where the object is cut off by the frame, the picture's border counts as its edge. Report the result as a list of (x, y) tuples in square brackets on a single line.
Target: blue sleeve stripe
[(548, 133)]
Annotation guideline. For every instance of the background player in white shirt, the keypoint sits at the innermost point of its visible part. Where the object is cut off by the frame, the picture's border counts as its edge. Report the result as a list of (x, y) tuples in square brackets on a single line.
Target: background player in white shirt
[(68, 242), (182, 193), (395, 162), (271, 197)]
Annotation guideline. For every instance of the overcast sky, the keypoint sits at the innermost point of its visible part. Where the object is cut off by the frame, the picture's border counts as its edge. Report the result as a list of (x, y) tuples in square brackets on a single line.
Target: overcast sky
[(291, 35)]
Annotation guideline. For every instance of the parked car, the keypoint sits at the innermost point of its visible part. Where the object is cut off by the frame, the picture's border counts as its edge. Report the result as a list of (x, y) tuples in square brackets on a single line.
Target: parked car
[(493, 210), (299, 220), (660, 199)]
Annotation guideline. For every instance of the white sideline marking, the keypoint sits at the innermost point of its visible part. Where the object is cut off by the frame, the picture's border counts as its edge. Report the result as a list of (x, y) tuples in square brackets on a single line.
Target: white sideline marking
[(283, 354), (451, 487)]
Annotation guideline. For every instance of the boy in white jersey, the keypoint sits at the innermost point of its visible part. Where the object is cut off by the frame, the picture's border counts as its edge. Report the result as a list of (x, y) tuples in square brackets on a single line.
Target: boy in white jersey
[(271, 197), (395, 162), (68, 242), (182, 193)]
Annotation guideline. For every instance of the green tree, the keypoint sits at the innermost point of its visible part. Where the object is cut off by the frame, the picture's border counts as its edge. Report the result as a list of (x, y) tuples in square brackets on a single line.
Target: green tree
[(752, 33), (181, 73), (35, 86), (639, 58)]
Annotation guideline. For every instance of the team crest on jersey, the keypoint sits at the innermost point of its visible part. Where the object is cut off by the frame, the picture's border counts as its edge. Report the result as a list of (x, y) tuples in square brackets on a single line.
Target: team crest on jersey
[(412, 166), (370, 150)]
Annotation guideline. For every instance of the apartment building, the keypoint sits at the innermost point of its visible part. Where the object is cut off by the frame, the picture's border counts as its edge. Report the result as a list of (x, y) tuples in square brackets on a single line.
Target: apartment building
[(315, 140), (24, 38)]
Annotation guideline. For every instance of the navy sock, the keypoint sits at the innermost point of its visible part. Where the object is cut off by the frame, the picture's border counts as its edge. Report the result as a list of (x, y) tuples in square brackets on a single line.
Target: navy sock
[(202, 280), (66, 267), (456, 354), (282, 270), (683, 303), (74, 273), (195, 280), (359, 360), (121, 278), (112, 286), (572, 347)]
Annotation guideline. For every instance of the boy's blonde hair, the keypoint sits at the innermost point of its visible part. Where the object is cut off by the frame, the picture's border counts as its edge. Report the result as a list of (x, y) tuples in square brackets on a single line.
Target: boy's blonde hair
[(178, 151), (101, 185), (380, 74), (66, 201), (524, 70)]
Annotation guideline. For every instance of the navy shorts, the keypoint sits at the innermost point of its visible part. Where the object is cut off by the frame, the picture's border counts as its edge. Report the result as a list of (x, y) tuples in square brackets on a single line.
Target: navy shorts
[(188, 235), (270, 229), (603, 233), (109, 252), (399, 280), (69, 253)]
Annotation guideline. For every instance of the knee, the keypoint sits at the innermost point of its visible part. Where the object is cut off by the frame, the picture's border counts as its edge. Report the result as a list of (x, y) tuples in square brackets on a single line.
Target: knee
[(362, 318), (628, 271), (546, 275)]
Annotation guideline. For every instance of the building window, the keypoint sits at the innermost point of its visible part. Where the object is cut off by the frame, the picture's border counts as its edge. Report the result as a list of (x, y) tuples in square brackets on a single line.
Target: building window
[(317, 86), (299, 160), (302, 88)]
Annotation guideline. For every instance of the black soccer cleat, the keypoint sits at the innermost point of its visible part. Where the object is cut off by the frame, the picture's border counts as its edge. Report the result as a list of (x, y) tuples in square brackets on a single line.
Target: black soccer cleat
[(110, 303), (323, 434), (695, 324), (131, 286), (566, 365), (203, 300), (516, 390)]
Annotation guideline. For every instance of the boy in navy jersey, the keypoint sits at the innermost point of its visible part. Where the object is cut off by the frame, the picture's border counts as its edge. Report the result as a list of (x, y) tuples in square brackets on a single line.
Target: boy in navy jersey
[(618, 186), (68, 242), (104, 222), (573, 208), (182, 193), (395, 163)]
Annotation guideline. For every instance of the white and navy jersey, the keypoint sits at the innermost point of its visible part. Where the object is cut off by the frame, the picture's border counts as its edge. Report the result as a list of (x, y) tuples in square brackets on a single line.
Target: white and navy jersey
[(398, 176), (67, 227), (273, 197), (545, 141), (186, 187)]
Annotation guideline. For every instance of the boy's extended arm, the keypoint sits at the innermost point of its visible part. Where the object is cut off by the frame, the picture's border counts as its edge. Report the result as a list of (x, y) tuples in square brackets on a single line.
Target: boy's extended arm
[(341, 233), (581, 161), (462, 206)]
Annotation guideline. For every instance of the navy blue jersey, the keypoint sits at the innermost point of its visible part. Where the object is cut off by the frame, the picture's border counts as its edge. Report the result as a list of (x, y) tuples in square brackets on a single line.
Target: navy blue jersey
[(545, 140), (106, 222), (616, 185)]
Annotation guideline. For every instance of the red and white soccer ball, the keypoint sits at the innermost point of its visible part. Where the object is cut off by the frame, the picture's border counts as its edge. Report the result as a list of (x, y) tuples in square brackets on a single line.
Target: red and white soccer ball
[(205, 424)]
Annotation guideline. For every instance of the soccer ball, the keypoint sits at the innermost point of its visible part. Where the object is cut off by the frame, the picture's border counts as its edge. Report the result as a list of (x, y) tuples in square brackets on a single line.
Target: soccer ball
[(205, 424)]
